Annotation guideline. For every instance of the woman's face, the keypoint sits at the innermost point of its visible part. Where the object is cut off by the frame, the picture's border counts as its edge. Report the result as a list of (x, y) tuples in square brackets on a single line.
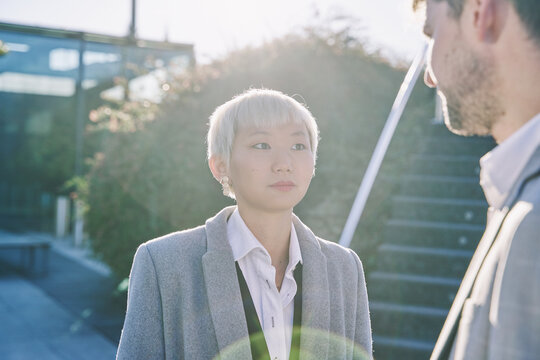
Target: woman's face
[(271, 167)]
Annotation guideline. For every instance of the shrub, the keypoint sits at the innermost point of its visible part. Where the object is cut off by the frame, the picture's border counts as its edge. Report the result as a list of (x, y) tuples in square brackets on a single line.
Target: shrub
[(152, 178)]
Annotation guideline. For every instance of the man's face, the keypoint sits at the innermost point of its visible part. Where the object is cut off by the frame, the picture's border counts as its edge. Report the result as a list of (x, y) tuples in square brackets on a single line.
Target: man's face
[(465, 81)]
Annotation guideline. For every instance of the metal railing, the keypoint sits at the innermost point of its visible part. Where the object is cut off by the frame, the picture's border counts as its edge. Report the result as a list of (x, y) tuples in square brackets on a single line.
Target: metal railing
[(382, 146)]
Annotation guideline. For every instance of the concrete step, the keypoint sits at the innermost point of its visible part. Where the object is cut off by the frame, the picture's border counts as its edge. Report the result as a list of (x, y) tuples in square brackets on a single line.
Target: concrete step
[(463, 165), (418, 323), (385, 348), (440, 209), (458, 187), (442, 145), (416, 260), (417, 290), (437, 220), (433, 234)]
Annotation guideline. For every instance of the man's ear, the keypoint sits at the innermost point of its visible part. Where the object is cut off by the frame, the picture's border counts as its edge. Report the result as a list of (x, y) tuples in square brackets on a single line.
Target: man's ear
[(487, 19), (218, 167)]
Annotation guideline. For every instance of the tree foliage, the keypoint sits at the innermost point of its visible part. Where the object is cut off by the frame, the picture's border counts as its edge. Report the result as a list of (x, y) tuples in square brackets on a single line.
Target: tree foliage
[(151, 175)]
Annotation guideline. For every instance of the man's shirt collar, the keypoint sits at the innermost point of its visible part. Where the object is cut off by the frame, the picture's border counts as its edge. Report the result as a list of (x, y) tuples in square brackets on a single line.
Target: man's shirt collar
[(502, 166)]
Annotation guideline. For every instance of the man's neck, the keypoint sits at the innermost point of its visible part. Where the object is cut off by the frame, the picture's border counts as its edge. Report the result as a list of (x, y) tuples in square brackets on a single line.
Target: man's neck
[(511, 123)]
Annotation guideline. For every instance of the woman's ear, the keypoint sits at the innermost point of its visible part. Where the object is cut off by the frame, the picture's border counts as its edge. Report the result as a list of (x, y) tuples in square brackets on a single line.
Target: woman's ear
[(217, 167)]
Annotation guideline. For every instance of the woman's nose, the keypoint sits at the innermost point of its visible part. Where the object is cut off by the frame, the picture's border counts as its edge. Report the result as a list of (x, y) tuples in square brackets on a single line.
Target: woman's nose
[(282, 162)]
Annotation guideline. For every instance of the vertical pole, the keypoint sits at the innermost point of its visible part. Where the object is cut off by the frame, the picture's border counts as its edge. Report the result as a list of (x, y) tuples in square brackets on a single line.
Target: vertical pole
[(79, 223), (80, 105), (132, 26), (125, 49), (62, 216), (79, 138)]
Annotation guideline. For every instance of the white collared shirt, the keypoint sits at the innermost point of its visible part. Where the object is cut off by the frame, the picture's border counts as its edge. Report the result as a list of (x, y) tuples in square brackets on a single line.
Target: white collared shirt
[(275, 309), (501, 167)]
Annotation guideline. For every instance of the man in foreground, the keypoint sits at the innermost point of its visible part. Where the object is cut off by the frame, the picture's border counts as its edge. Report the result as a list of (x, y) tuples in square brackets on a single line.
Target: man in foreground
[(485, 62)]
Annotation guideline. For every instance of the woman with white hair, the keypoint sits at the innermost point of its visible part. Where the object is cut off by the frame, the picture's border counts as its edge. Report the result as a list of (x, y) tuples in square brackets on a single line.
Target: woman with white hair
[(254, 282)]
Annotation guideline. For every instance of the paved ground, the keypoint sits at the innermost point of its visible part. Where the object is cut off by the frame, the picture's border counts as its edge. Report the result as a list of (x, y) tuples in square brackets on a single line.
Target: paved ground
[(73, 312)]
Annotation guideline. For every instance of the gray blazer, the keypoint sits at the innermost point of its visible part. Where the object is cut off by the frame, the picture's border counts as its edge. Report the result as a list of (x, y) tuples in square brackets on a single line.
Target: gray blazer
[(184, 300), (500, 301)]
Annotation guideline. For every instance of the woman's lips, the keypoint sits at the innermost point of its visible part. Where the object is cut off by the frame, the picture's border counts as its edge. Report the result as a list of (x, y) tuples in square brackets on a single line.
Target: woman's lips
[(283, 185)]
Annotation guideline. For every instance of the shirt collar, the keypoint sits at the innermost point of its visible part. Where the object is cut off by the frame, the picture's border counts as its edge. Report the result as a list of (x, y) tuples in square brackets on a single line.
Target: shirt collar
[(243, 241), (502, 166)]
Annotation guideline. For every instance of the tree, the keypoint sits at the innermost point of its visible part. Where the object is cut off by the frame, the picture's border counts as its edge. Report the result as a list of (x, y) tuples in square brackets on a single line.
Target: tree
[(151, 175)]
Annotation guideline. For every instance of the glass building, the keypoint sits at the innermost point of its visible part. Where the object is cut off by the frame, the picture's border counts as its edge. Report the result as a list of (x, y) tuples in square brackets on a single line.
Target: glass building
[(49, 81)]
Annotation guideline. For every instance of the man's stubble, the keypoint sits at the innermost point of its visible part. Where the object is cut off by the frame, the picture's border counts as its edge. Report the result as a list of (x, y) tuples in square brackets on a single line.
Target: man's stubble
[(469, 96)]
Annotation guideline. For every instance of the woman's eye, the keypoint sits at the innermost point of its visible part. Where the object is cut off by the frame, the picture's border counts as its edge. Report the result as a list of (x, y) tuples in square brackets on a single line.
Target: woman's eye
[(299, 147), (262, 146)]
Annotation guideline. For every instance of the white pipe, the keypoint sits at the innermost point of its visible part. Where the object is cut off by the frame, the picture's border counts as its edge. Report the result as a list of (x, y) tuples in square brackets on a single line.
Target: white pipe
[(382, 145), (62, 216)]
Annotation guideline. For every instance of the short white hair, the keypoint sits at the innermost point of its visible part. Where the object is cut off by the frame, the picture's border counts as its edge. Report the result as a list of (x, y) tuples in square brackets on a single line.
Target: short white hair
[(259, 108)]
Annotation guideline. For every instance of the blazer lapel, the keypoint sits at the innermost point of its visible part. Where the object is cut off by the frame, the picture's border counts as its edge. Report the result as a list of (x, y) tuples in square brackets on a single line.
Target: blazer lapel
[(223, 291), (314, 335)]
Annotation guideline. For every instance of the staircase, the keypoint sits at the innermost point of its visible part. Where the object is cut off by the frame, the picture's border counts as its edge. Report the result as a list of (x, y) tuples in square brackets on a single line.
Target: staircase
[(437, 219)]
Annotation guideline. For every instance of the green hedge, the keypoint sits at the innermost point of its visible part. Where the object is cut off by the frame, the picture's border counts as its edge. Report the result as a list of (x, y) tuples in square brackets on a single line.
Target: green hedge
[(152, 178)]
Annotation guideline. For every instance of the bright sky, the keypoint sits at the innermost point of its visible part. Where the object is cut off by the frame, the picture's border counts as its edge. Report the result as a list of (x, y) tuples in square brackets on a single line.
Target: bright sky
[(218, 26)]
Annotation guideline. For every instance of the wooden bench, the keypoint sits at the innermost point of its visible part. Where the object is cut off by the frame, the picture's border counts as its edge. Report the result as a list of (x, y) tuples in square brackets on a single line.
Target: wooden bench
[(29, 246)]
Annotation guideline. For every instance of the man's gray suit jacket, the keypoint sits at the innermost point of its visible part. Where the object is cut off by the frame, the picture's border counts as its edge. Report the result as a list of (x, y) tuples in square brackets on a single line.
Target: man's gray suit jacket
[(184, 301), (500, 316)]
